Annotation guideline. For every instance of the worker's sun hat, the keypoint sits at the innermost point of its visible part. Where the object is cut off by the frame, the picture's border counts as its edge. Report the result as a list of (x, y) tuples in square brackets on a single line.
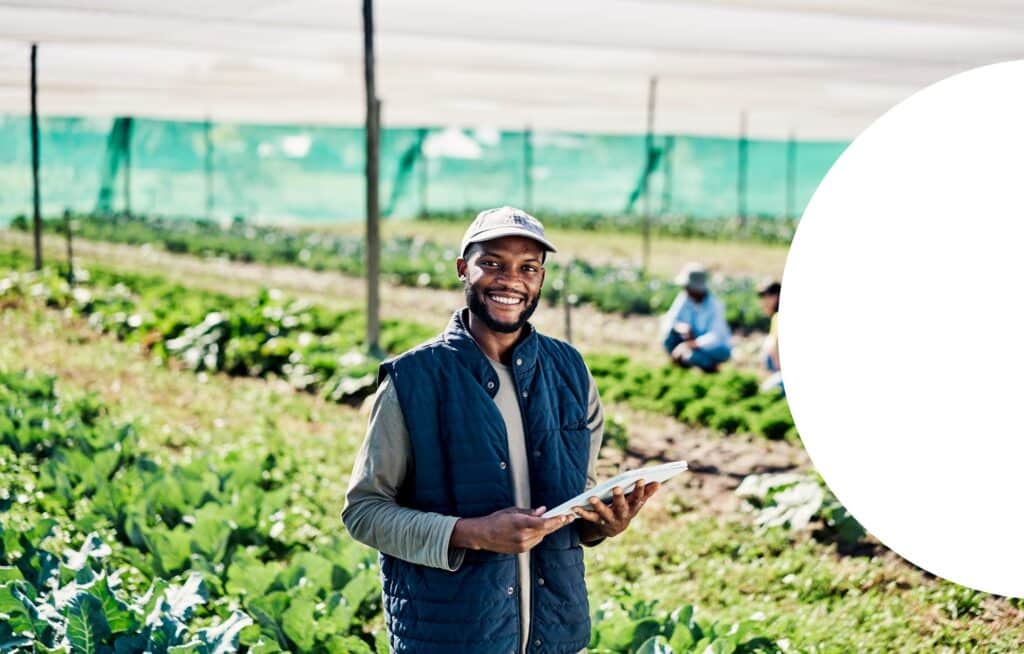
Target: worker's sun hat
[(693, 276), (504, 221)]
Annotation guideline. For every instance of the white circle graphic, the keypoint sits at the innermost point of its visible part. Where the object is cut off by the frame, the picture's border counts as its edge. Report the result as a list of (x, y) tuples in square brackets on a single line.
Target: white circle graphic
[(901, 329)]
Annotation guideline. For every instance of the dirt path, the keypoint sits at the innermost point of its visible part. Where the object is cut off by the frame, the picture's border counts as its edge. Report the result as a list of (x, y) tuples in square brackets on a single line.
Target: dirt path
[(717, 463)]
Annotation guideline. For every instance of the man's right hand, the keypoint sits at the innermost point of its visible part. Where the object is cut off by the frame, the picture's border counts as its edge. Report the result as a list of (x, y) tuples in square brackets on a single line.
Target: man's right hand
[(684, 330), (509, 531)]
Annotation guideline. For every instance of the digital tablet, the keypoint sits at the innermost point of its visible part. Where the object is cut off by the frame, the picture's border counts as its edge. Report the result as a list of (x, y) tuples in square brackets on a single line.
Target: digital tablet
[(603, 491)]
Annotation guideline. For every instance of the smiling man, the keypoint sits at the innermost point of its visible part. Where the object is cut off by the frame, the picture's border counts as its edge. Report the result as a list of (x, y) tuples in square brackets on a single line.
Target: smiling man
[(471, 437)]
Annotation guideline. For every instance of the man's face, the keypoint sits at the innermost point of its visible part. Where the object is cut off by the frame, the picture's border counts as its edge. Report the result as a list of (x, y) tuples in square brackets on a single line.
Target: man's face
[(769, 304), (696, 295), (502, 279)]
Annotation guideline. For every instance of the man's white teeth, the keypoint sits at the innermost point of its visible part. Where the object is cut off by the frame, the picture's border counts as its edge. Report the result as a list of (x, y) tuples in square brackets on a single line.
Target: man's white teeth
[(505, 300)]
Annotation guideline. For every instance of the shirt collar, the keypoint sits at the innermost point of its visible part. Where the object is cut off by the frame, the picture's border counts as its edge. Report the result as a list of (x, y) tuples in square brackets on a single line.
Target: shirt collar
[(458, 337)]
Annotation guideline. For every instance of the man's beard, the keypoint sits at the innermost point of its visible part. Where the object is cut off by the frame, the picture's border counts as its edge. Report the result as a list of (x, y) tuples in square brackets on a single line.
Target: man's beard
[(478, 307)]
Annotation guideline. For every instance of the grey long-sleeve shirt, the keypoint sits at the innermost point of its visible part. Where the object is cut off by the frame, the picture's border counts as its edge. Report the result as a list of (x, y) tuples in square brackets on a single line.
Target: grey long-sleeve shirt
[(372, 515)]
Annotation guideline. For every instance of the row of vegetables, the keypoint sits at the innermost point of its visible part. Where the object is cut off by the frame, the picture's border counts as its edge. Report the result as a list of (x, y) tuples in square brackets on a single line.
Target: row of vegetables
[(104, 549), (613, 288), (224, 552), (320, 350)]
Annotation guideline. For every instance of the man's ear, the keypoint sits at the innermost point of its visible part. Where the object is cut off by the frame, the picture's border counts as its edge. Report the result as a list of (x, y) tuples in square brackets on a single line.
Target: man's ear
[(460, 268)]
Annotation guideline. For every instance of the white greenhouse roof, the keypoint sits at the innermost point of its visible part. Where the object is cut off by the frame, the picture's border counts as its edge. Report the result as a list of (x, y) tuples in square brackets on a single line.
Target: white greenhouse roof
[(821, 68)]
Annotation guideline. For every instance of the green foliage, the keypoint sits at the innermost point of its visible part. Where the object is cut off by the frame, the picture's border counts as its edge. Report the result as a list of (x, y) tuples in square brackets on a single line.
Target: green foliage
[(639, 629), (726, 402), (794, 500), (314, 349), (612, 288), (615, 434), (227, 529), (80, 602)]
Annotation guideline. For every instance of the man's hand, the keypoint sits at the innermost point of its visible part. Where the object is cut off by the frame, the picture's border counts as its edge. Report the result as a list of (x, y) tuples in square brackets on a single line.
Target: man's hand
[(684, 330), (682, 352), (606, 521), (509, 531)]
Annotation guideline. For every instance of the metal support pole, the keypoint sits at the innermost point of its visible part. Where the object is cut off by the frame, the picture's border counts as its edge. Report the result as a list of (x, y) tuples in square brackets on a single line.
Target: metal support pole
[(741, 172), (128, 166), (791, 176), (37, 221), (666, 174), (372, 200), (71, 258), (649, 149), (567, 306), (423, 173), (528, 168), (208, 168)]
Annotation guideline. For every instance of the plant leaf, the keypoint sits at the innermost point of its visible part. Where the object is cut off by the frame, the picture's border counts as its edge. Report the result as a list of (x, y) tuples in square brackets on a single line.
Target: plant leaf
[(87, 626), (656, 645), (298, 624), (179, 601), (223, 638)]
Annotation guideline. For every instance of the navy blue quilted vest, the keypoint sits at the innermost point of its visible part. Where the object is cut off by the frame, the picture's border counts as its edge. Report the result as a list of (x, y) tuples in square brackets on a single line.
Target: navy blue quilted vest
[(460, 454)]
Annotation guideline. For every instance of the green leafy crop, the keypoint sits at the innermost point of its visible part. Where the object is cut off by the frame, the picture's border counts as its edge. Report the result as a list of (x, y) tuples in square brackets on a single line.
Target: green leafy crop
[(612, 288)]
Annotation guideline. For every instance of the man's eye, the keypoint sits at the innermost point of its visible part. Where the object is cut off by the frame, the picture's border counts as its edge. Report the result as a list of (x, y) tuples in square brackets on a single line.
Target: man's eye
[(489, 264), (529, 269)]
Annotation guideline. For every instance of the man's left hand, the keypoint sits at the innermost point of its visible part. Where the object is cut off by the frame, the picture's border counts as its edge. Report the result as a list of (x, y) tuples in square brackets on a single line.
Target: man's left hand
[(611, 520)]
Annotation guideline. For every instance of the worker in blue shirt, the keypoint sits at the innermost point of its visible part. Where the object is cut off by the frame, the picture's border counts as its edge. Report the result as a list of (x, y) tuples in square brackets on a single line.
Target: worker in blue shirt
[(694, 330)]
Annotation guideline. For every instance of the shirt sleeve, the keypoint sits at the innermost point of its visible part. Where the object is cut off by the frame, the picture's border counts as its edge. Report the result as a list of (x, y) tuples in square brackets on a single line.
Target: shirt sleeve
[(718, 332), (595, 422), (671, 316), (372, 514)]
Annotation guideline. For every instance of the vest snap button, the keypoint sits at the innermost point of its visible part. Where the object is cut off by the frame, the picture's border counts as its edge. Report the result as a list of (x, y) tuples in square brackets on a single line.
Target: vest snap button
[(503, 465), (536, 453), (490, 384), (537, 643), (525, 393), (511, 590), (519, 362), (540, 581)]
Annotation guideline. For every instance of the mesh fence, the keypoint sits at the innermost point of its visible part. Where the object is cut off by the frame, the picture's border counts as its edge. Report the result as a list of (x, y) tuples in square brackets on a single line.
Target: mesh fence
[(281, 173)]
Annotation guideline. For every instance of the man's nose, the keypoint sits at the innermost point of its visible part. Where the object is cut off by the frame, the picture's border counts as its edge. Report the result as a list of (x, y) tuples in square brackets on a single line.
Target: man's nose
[(512, 275)]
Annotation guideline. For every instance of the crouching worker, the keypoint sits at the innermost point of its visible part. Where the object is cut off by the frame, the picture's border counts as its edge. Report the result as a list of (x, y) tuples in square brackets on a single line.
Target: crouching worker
[(472, 436), (694, 331), (769, 294)]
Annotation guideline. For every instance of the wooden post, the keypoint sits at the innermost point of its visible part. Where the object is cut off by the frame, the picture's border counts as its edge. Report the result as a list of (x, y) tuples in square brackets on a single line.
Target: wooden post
[(423, 173), (741, 172), (372, 200), (37, 221), (71, 259), (649, 149), (208, 168), (128, 166), (791, 176), (666, 174), (528, 169), (565, 301)]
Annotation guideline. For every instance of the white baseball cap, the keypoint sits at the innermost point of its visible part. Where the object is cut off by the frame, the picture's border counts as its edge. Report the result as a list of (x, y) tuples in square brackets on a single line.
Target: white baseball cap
[(505, 221)]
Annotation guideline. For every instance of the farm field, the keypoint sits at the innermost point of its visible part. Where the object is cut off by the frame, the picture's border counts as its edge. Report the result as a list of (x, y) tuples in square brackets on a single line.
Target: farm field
[(696, 545), (667, 253), (618, 286), (592, 330)]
